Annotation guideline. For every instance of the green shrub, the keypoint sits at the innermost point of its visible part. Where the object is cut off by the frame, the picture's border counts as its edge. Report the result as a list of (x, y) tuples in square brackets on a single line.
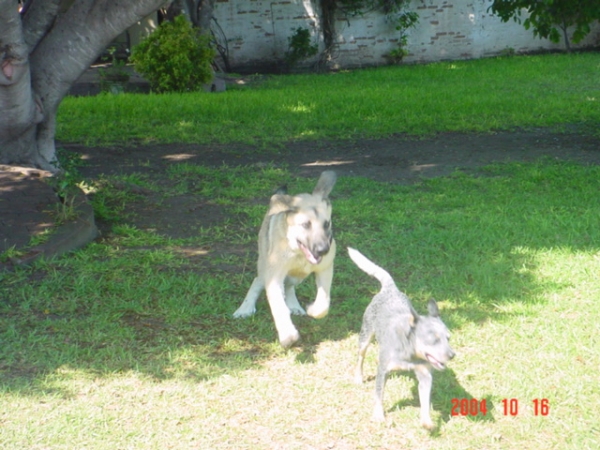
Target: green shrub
[(175, 57), (300, 47), (404, 20)]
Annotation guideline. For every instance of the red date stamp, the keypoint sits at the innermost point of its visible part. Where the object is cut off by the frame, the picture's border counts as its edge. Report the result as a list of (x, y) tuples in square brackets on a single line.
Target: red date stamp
[(468, 407), (510, 407)]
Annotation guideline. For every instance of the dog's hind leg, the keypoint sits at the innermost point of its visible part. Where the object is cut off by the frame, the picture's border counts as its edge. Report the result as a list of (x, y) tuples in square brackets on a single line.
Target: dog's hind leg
[(425, 382), (281, 314), (378, 413), (364, 339), (292, 301), (248, 306)]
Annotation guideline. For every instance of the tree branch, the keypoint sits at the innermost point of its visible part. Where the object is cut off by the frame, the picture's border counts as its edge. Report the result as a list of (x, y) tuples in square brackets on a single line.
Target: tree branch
[(41, 55), (83, 30), (78, 35), (38, 19)]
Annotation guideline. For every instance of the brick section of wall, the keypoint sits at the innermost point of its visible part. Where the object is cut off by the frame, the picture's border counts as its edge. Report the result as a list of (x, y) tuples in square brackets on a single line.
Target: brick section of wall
[(257, 33)]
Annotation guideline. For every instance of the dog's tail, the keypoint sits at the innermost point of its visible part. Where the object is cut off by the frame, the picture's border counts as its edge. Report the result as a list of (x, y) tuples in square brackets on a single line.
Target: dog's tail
[(370, 267)]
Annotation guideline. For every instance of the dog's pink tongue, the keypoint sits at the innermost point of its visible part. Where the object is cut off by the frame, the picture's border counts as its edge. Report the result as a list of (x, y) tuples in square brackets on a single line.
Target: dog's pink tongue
[(309, 256), (435, 362)]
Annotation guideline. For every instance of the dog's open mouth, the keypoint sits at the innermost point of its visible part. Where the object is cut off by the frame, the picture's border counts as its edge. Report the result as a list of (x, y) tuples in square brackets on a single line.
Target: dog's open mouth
[(308, 254), (435, 363)]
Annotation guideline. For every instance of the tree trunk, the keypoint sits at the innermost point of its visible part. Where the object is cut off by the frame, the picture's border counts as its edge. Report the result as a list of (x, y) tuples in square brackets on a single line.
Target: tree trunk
[(328, 9), (205, 15), (175, 9), (42, 54), (565, 30)]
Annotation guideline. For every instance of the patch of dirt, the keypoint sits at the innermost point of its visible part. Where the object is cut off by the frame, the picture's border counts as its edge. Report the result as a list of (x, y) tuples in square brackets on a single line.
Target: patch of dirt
[(396, 160), (393, 160)]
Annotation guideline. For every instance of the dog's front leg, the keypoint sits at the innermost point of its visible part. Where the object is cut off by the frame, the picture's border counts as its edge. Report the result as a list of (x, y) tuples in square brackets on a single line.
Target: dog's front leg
[(425, 382), (380, 379), (248, 306), (281, 314), (385, 366), (323, 278)]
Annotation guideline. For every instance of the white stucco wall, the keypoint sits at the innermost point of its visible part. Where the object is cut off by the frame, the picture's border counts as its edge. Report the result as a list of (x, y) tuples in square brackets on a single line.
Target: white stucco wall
[(465, 29), (257, 32)]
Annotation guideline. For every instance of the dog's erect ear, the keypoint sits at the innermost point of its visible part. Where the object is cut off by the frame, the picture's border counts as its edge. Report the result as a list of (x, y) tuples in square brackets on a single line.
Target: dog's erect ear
[(412, 320), (403, 325), (280, 203), (432, 308), (325, 184), (282, 190)]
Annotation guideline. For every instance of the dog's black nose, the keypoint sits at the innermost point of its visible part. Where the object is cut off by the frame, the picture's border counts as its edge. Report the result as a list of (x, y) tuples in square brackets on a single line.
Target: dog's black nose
[(322, 248), (451, 355)]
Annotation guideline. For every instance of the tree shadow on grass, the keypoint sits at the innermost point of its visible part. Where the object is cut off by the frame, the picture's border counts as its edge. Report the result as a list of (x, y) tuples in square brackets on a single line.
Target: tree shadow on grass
[(106, 339), (196, 347)]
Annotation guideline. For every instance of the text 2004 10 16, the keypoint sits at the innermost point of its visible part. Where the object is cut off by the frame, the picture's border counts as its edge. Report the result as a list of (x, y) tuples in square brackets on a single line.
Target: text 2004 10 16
[(510, 407)]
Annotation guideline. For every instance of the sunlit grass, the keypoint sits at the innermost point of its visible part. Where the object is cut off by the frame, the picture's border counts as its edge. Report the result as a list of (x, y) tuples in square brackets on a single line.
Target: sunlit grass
[(468, 96), (129, 343)]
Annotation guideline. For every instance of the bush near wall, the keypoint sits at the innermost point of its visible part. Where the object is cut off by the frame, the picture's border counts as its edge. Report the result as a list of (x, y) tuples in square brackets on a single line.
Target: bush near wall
[(175, 57)]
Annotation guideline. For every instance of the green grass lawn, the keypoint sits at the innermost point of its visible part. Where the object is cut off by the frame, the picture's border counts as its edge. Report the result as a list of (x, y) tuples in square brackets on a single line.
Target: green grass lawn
[(481, 96), (129, 343)]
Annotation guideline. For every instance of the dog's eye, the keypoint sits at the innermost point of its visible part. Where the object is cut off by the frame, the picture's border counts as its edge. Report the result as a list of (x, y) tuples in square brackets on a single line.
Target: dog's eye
[(326, 225), (306, 225)]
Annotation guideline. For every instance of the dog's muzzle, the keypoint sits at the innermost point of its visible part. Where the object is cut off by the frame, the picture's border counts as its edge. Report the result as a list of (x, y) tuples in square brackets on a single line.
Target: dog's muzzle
[(437, 364), (315, 255)]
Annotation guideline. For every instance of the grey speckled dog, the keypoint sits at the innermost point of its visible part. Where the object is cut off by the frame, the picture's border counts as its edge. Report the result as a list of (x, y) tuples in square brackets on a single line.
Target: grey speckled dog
[(407, 341)]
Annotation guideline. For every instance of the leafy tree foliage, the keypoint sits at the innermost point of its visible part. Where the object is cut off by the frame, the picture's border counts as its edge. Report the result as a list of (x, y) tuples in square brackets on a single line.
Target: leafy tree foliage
[(549, 18)]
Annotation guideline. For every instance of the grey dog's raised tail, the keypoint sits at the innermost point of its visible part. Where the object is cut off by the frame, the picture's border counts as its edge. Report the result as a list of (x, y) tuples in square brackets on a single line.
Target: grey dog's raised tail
[(370, 267)]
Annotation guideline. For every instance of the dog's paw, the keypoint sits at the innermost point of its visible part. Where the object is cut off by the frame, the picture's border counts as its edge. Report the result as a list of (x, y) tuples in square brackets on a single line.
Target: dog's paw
[(317, 311), (297, 310), (243, 312), (427, 424), (288, 339), (378, 415)]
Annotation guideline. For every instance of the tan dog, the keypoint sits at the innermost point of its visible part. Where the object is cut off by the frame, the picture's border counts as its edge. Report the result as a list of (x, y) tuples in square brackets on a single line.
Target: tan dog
[(295, 240)]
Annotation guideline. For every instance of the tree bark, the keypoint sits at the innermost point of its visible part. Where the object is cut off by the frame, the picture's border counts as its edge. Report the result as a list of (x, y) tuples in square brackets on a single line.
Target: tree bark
[(19, 112), (328, 9), (41, 55), (565, 29), (205, 15)]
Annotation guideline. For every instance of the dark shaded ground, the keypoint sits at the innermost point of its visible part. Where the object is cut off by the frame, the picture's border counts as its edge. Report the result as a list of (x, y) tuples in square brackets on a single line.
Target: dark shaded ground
[(395, 160), (26, 201)]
